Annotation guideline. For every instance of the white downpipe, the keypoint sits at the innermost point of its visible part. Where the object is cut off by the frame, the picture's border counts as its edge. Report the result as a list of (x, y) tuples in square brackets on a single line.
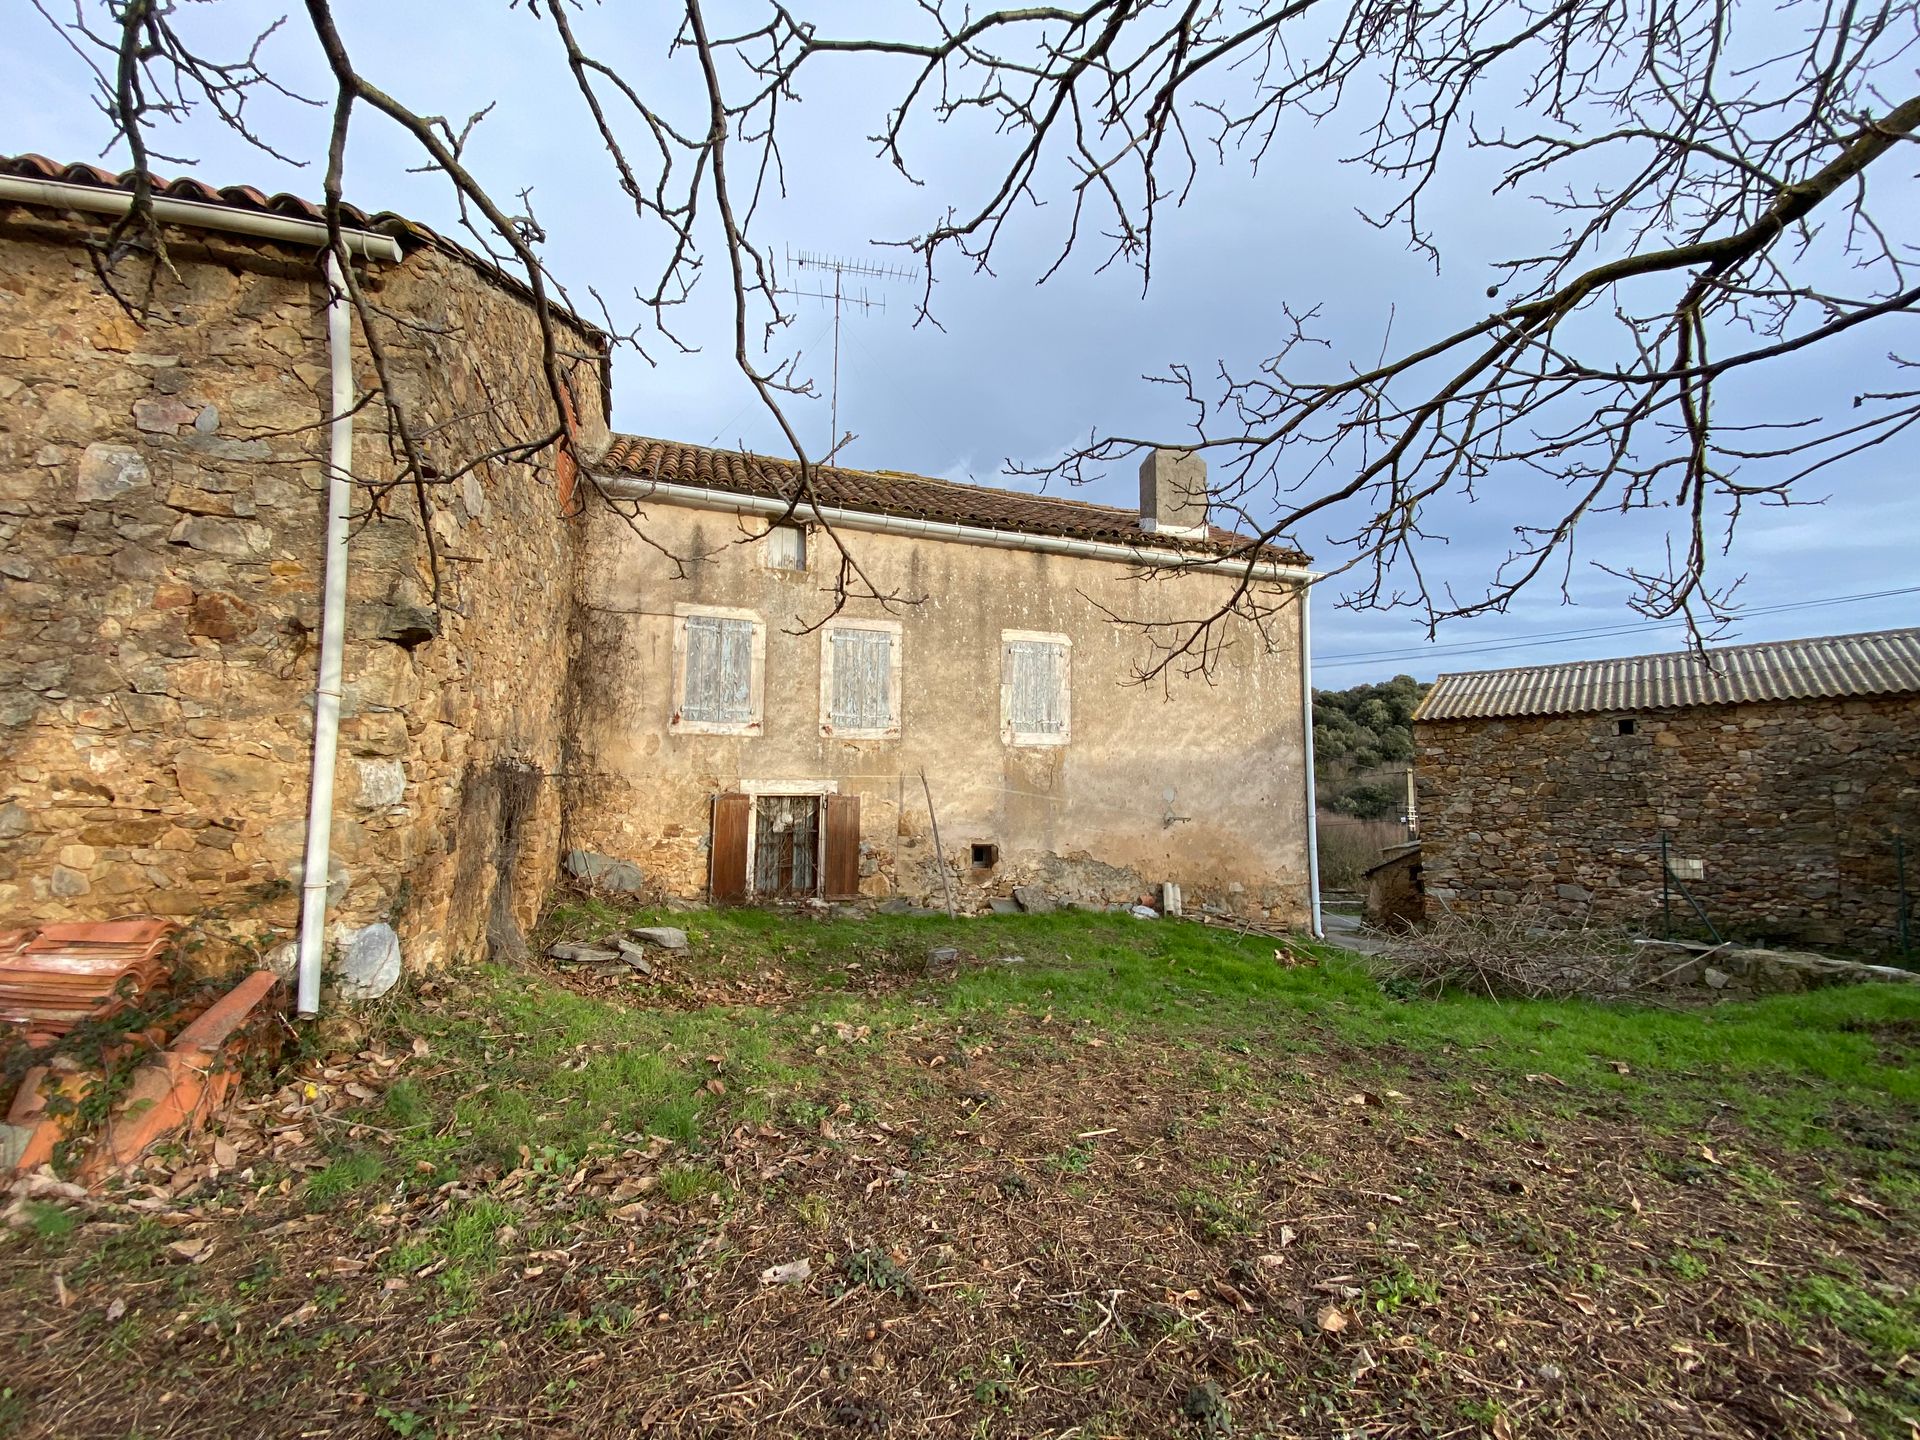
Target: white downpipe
[(1306, 725), (197, 214), (628, 488), (333, 637)]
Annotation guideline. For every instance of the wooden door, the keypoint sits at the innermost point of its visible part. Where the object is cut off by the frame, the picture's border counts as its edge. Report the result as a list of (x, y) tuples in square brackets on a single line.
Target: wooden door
[(841, 862), (727, 855)]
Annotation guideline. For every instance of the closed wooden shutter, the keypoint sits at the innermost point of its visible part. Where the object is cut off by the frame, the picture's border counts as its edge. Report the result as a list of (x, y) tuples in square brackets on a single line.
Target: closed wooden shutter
[(862, 670), (842, 859), (1036, 687), (727, 861), (719, 682)]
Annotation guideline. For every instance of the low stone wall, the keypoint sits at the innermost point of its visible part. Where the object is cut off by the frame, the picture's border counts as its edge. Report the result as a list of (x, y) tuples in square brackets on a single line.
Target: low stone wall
[(1734, 972), (1791, 808)]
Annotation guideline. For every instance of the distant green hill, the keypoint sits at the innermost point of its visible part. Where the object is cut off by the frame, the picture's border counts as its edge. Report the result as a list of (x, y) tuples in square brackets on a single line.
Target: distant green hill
[(1362, 744)]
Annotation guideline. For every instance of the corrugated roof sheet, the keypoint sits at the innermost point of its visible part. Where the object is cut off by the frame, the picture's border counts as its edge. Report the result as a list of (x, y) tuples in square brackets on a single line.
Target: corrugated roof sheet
[(293, 207), (918, 497), (1883, 662)]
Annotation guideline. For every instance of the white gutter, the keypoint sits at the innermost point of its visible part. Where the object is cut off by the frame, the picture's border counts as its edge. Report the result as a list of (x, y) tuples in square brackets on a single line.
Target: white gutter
[(64, 195), (628, 488), (1306, 725), (333, 637)]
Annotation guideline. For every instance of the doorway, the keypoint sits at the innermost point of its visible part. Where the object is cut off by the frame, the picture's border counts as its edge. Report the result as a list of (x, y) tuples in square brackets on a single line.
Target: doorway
[(786, 845)]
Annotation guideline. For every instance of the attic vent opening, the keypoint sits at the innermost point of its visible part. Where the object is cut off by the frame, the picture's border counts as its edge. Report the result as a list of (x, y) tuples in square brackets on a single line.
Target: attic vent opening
[(1624, 726), (787, 547), (985, 856)]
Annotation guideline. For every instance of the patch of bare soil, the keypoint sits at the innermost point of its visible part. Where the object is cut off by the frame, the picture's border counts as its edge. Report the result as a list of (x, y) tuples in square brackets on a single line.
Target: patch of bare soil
[(1051, 1233), (1896, 1040), (680, 982)]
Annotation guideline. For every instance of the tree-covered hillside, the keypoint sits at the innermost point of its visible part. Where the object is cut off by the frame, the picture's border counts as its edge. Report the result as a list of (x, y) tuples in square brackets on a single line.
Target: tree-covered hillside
[(1359, 733)]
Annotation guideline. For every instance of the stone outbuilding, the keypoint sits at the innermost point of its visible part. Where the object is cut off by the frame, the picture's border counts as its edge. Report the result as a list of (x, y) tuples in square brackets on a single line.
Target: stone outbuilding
[(1781, 782), (1395, 897)]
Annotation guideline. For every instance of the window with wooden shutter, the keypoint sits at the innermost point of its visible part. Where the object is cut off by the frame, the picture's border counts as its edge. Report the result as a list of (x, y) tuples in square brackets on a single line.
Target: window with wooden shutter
[(841, 858), (1035, 681), (786, 548), (860, 680), (727, 855), (718, 656)]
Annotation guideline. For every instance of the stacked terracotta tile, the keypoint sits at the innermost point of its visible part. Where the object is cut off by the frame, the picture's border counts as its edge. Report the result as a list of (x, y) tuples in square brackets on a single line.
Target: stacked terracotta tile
[(58, 976)]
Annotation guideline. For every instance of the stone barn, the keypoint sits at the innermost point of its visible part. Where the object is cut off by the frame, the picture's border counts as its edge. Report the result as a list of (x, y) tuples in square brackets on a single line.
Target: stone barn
[(1780, 781)]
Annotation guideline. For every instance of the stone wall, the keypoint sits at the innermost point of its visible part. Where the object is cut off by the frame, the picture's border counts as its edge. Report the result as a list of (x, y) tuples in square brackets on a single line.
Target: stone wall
[(1790, 807), (1195, 782), (161, 516)]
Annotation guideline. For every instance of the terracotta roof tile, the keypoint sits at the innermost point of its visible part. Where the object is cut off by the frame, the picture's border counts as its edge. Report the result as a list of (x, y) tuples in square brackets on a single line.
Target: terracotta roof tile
[(888, 492), (1832, 667), (53, 978)]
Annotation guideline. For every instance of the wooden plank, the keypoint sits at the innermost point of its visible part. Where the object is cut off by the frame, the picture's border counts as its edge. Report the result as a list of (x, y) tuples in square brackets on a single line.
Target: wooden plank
[(727, 858), (842, 858)]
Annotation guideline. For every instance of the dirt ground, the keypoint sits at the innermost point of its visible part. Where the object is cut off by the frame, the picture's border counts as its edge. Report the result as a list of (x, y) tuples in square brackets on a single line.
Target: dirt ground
[(991, 1222)]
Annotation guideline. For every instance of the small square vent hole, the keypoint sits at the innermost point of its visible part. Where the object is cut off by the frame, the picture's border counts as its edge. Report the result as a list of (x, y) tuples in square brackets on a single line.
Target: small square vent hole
[(985, 857)]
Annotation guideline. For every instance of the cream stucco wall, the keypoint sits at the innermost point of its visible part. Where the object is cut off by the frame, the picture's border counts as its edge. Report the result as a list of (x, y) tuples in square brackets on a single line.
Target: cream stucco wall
[(1189, 781)]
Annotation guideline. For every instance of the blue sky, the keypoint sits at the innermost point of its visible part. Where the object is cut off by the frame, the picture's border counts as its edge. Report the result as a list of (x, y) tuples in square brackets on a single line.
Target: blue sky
[(1019, 371)]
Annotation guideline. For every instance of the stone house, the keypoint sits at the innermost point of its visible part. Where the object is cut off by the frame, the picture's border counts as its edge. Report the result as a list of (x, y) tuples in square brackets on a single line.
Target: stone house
[(537, 661), (751, 739), (1783, 778)]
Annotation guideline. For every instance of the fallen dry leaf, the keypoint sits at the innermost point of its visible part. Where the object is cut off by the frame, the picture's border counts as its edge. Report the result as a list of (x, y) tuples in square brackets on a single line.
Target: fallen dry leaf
[(794, 1272), (1332, 1319)]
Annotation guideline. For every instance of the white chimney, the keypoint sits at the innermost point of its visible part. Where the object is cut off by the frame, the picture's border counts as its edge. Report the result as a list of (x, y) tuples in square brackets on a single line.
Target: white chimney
[(1173, 493)]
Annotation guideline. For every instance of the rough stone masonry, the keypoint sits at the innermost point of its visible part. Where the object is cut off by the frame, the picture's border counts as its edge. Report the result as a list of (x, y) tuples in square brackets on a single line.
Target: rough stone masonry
[(1789, 806), (161, 510)]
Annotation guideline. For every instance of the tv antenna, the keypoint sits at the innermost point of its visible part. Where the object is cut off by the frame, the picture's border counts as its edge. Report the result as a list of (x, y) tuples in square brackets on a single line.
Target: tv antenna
[(841, 299)]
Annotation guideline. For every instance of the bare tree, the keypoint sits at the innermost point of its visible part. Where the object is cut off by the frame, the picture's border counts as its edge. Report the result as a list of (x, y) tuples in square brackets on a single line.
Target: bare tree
[(1728, 181)]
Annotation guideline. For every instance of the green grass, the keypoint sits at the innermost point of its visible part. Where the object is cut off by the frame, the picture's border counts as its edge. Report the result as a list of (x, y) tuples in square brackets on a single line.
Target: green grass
[(1887, 1322), (522, 1065), (50, 1222), (352, 1171), (684, 1184)]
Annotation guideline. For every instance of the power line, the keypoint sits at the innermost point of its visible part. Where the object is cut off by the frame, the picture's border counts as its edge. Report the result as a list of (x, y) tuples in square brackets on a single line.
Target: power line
[(1350, 659)]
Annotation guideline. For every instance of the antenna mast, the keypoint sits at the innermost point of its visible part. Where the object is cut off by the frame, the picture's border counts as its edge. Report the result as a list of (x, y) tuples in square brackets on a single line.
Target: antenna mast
[(839, 267)]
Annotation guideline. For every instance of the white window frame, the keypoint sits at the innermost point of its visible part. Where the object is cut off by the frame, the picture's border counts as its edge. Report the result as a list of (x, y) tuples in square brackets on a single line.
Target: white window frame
[(767, 560), (754, 789), (1008, 734), (756, 679), (889, 731)]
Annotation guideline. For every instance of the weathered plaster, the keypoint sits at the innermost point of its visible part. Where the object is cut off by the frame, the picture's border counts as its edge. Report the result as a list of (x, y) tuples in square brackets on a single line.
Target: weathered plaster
[(1195, 782)]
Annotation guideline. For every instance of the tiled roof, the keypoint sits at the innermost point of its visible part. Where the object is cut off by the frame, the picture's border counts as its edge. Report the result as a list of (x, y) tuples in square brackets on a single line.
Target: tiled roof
[(887, 492), (1884, 662), (292, 207)]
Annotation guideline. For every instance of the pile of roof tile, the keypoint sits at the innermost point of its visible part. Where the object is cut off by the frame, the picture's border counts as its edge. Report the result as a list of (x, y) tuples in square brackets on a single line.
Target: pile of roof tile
[(58, 976)]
